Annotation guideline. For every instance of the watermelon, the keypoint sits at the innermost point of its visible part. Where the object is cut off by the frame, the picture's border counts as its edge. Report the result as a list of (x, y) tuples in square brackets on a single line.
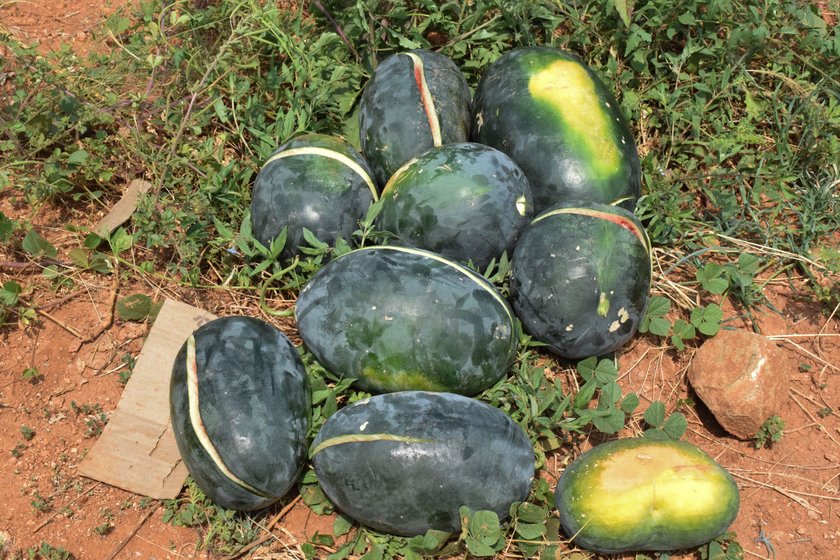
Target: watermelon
[(240, 409), (465, 201), (313, 181), (414, 100), (644, 494), (398, 318), (560, 123), (405, 462), (580, 278)]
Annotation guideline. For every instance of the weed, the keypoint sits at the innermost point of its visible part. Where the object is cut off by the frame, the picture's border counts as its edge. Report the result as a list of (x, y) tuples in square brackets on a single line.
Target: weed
[(17, 450), (46, 551), (771, 432), (95, 418), (32, 374), (41, 503), (27, 432)]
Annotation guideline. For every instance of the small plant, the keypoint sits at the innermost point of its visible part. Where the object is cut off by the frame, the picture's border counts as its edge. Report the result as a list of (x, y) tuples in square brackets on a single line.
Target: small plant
[(46, 551), (17, 451), (40, 503), (32, 374), (770, 432), (27, 432), (95, 417)]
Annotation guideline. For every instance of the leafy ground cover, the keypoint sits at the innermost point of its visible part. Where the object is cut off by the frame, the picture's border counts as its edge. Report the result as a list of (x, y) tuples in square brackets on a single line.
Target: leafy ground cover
[(736, 111)]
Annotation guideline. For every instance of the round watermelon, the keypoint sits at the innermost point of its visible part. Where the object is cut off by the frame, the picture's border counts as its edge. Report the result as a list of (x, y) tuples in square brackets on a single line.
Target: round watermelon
[(398, 318), (404, 463), (644, 494), (580, 278), (240, 409), (313, 181), (414, 101), (467, 202), (560, 123)]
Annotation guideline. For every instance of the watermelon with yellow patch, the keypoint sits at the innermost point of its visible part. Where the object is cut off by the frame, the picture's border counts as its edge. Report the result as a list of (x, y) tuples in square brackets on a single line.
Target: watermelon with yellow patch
[(560, 123), (414, 101), (644, 494), (240, 406), (580, 278)]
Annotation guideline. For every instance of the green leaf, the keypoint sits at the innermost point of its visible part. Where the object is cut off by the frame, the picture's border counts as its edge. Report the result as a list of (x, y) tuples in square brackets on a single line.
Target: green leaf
[(10, 292), (78, 157), (79, 257), (587, 391), (485, 526), (658, 306), (711, 278), (530, 513), (586, 368), (605, 371), (478, 548), (630, 403), (7, 228), (659, 326), (37, 246), (655, 414), (530, 531), (675, 426), (341, 525), (120, 241), (610, 423), (136, 307), (623, 11)]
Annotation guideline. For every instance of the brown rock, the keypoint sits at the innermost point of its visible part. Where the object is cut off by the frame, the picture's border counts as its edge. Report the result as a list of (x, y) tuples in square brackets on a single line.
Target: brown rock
[(743, 379)]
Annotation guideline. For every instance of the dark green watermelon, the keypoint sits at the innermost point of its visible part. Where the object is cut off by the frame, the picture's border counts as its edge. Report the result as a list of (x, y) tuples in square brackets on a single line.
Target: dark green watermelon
[(404, 463), (580, 278), (400, 318), (557, 120), (316, 182), (644, 494), (466, 201), (240, 409), (414, 101)]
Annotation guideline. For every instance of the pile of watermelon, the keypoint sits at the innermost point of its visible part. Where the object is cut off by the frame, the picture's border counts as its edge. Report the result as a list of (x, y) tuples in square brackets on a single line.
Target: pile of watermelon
[(538, 165)]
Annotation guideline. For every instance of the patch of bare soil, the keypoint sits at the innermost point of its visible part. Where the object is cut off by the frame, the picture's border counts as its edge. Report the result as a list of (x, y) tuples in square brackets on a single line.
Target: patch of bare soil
[(790, 492)]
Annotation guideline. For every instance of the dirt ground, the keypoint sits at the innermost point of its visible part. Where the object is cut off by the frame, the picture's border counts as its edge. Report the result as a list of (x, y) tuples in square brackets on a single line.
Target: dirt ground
[(790, 492)]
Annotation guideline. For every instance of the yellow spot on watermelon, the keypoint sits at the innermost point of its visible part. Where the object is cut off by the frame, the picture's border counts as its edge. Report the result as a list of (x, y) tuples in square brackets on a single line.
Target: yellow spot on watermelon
[(569, 90)]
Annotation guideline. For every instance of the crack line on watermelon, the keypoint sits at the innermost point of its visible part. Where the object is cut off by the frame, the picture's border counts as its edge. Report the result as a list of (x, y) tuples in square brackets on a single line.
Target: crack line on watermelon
[(361, 438), (198, 424), (426, 97), (332, 154), (474, 276)]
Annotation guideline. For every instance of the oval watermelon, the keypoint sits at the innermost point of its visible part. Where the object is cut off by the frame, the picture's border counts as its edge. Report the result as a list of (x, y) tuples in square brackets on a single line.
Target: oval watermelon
[(404, 463), (465, 201), (415, 100), (580, 278), (240, 410), (558, 121), (399, 318), (313, 181), (642, 494)]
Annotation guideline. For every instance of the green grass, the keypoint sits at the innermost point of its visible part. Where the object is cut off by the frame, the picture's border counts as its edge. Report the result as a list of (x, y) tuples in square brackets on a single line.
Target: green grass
[(733, 106)]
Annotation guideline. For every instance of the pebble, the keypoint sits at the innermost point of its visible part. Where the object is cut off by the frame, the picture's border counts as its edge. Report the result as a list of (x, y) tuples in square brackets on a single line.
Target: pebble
[(813, 515), (801, 530)]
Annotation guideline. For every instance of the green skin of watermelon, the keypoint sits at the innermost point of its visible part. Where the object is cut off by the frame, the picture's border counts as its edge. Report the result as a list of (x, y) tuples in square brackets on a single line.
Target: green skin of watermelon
[(404, 463), (614, 498), (254, 403), (393, 124), (466, 201), (399, 319), (310, 191), (564, 128), (580, 283)]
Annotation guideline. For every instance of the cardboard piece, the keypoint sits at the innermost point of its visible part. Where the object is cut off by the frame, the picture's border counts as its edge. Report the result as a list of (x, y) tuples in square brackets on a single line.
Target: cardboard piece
[(137, 451), (123, 209)]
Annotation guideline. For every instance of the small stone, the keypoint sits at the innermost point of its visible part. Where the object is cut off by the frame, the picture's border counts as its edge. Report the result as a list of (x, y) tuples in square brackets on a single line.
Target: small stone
[(801, 530), (743, 379), (813, 515)]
